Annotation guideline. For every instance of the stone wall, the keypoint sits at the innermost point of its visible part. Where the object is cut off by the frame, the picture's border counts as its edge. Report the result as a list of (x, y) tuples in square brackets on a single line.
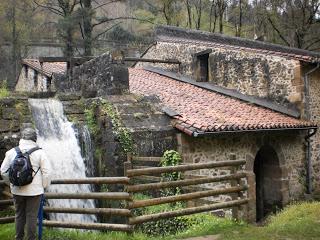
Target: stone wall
[(289, 146), (26, 82), (149, 129), (262, 75), (100, 76), (314, 100), (13, 112)]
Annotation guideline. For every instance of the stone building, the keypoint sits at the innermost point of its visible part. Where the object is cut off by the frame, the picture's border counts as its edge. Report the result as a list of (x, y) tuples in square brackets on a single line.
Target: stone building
[(217, 72), (227, 99), (36, 77)]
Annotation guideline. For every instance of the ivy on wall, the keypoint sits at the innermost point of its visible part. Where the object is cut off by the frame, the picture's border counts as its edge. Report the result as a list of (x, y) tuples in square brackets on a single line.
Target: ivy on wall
[(122, 133), (171, 158)]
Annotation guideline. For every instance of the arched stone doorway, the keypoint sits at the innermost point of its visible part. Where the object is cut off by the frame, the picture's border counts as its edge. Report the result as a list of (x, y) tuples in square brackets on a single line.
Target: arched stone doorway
[(268, 182)]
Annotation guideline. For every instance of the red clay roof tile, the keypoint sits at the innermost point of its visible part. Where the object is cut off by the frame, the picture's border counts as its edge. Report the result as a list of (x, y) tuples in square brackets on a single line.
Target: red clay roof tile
[(47, 68), (207, 111)]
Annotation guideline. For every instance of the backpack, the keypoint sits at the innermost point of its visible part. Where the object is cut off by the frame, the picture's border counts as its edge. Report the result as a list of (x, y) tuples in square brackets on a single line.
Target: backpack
[(20, 170)]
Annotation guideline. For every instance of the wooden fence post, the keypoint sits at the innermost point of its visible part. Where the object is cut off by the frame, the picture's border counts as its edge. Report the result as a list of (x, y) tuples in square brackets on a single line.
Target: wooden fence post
[(128, 166), (235, 210)]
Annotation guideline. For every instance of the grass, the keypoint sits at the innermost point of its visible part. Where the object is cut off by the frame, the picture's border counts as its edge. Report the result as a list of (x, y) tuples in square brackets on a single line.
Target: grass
[(299, 221), (4, 92)]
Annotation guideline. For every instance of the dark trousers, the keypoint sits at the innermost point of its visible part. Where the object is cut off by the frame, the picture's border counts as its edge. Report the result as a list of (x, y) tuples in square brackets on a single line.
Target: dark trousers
[(26, 214)]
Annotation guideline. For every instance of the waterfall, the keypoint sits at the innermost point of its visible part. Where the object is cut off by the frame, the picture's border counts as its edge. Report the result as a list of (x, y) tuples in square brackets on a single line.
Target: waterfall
[(57, 137)]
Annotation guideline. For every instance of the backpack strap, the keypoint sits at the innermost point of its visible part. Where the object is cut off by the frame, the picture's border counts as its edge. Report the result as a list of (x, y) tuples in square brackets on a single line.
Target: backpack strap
[(29, 153), (32, 150), (18, 151)]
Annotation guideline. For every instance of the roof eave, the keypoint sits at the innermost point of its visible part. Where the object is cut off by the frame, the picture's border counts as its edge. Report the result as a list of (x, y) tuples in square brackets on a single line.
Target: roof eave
[(202, 134), (37, 69)]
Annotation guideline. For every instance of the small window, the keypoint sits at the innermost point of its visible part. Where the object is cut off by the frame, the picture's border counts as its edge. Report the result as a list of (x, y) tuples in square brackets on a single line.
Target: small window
[(35, 79), (25, 71), (202, 66), (48, 84)]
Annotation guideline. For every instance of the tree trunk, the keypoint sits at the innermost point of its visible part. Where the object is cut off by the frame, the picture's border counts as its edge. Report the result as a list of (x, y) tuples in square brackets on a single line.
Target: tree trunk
[(87, 27), (14, 53), (189, 14)]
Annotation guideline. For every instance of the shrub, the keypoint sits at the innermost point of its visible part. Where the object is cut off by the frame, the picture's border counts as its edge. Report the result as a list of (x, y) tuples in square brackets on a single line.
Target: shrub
[(170, 158)]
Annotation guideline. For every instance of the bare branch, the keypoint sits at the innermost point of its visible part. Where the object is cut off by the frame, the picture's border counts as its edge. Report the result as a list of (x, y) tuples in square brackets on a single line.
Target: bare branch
[(312, 43), (98, 35), (104, 4), (278, 31), (105, 20), (52, 9)]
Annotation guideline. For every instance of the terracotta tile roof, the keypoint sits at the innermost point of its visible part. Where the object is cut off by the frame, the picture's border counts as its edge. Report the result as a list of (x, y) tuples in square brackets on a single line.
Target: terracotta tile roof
[(200, 110), (214, 40), (47, 68)]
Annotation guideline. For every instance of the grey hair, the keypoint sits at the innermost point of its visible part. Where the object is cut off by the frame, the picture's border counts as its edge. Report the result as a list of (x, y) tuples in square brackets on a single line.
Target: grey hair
[(29, 134)]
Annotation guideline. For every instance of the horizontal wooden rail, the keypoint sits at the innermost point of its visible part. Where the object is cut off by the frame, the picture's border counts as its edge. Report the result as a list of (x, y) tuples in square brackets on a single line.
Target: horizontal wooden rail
[(93, 180), (184, 197), (149, 179), (91, 195), (186, 211), (102, 211), (6, 202), (7, 220), (90, 226), (180, 183), (146, 159), (7, 194), (182, 168), (2, 182)]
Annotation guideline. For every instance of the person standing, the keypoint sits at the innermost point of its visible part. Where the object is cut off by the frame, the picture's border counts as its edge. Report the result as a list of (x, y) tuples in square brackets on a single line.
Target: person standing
[(27, 198)]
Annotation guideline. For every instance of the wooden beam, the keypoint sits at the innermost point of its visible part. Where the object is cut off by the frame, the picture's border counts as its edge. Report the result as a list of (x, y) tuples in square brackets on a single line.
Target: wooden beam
[(183, 168), (64, 59), (7, 220), (2, 182), (89, 226), (7, 194), (168, 61), (102, 211), (180, 183), (186, 211), (185, 197), (6, 202), (146, 159), (93, 180), (91, 195)]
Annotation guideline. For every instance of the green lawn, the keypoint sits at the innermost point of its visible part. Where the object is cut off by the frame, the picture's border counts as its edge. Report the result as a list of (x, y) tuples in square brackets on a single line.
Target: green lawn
[(297, 222)]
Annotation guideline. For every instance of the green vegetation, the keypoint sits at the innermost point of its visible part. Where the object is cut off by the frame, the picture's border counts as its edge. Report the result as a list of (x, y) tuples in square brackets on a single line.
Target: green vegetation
[(119, 129), (4, 92), (170, 158), (298, 221), (91, 120)]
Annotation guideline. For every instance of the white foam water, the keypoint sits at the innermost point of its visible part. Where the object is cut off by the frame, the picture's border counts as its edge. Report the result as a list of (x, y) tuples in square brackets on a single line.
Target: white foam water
[(57, 137)]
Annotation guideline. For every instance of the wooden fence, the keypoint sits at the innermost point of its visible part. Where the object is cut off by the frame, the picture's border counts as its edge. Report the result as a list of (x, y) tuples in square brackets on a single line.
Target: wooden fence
[(150, 173), (112, 196)]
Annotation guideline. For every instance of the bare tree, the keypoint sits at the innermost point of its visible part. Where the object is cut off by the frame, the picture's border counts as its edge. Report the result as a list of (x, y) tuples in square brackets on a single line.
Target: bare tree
[(66, 9)]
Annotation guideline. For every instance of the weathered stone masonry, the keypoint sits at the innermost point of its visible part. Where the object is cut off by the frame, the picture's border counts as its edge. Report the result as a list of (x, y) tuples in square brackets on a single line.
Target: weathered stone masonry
[(271, 77), (288, 145), (276, 78)]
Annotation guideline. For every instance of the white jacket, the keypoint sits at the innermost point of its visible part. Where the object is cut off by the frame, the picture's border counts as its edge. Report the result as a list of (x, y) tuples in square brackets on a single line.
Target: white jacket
[(38, 159)]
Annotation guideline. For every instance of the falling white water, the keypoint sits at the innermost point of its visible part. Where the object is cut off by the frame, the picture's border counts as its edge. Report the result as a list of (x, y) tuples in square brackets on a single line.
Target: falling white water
[(58, 139)]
